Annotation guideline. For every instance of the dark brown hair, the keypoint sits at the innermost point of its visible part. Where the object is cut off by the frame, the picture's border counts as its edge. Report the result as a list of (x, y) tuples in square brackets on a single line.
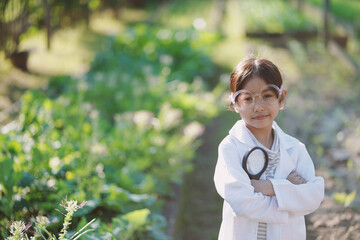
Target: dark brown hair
[(251, 67)]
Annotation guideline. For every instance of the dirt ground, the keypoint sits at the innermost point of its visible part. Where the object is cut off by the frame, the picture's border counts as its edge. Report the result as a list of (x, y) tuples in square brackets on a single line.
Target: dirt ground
[(333, 222)]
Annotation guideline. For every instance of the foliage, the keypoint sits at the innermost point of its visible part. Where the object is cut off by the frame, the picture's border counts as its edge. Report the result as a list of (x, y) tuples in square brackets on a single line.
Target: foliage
[(118, 137), (275, 16), (12, 13), (161, 56), (346, 9)]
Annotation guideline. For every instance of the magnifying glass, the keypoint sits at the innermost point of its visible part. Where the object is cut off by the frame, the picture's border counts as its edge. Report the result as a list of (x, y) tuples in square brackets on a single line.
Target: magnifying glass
[(255, 162)]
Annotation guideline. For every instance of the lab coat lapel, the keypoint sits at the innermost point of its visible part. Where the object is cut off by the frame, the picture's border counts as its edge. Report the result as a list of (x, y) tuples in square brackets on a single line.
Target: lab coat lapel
[(286, 164), (240, 131)]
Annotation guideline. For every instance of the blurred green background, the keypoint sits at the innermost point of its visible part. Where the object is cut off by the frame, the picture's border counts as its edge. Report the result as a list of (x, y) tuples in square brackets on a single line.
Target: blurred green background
[(122, 103)]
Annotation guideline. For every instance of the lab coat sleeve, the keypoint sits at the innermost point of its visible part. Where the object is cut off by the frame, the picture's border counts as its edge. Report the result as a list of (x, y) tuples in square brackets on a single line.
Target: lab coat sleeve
[(234, 186), (304, 198)]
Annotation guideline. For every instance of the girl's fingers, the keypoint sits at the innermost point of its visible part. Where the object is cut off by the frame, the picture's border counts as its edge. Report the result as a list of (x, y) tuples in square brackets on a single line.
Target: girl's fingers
[(295, 178)]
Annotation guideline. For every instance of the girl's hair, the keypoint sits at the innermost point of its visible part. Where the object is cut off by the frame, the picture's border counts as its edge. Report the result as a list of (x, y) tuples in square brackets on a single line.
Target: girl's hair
[(249, 68)]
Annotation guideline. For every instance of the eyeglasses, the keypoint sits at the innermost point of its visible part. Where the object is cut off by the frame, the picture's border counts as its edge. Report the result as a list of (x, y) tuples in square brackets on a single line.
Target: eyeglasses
[(269, 94)]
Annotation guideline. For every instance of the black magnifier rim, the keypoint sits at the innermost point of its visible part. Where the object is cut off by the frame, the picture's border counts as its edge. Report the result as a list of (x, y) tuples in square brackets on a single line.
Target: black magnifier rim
[(244, 163)]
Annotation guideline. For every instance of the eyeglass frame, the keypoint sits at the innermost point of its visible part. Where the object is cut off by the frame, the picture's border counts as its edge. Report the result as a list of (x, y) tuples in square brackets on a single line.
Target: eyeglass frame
[(234, 95)]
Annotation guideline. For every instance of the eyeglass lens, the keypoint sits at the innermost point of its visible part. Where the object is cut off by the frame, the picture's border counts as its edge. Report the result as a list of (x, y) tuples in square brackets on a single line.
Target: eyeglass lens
[(268, 95)]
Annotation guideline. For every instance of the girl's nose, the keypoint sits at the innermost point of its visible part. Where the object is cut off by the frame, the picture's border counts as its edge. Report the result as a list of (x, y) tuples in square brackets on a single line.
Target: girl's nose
[(258, 105)]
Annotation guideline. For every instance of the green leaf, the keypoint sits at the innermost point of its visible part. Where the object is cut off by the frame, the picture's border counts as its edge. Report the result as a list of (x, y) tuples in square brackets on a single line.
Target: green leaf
[(344, 198), (14, 147), (138, 217), (26, 180)]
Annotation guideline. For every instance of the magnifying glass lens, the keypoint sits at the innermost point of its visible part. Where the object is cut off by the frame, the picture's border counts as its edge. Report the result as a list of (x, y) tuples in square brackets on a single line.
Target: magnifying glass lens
[(256, 162)]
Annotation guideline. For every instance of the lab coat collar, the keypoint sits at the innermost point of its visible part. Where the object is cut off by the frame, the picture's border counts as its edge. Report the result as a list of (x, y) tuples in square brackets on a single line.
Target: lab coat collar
[(240, 131)]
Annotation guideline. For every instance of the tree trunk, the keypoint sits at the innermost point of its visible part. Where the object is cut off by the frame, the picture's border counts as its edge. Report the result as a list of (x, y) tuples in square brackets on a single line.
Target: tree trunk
[(217, 14), (19, 60)]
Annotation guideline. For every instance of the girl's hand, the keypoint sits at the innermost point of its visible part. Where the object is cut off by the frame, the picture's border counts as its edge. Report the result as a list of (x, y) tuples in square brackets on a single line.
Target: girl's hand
[(263, 186), (295, 178)]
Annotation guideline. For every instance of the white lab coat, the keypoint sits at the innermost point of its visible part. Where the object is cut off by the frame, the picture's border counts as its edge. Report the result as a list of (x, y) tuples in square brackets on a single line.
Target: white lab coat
[(243, 209)]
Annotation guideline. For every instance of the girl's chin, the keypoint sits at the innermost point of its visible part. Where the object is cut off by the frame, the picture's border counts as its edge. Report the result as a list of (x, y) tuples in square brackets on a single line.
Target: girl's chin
[(259, 124)]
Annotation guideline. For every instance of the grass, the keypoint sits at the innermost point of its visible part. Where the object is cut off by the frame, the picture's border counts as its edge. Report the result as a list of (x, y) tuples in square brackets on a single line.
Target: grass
[(68, 53), (71, 52), (72, 48)]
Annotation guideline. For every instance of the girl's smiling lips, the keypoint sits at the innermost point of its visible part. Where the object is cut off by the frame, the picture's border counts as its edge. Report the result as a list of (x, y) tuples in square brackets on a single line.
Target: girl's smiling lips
[(260, 117)]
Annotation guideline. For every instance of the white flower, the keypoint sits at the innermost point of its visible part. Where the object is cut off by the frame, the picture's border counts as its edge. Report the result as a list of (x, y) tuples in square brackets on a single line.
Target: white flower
[(164, 34), (42, 220), (166, 59), (199, 23), (55, 164), (143, 119), (169, 117), (193, 130), (99, 149)]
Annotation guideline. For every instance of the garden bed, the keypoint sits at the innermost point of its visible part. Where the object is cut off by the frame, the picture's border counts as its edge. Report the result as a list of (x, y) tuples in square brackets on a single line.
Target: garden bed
[(343, 22), (298, 35), (276, 19), (347, 10), (129, 126)]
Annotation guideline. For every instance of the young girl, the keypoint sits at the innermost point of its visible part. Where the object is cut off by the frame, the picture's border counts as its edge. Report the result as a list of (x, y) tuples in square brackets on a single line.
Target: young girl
[(273, 207)]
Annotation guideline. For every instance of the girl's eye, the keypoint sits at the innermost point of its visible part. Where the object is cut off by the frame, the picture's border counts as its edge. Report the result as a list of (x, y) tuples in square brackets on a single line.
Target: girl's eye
[(245, 98), (248, 99), (268, 96)]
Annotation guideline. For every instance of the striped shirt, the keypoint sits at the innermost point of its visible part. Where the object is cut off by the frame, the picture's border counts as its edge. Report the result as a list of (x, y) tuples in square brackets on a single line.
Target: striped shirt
[(274, 158)]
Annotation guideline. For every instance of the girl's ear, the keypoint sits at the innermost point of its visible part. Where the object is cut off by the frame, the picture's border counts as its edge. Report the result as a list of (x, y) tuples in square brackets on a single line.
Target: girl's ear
[(282, 100), (283, 95), (236, 108)]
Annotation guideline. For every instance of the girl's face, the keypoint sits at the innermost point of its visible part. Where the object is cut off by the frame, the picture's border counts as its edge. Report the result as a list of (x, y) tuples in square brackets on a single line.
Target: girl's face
[(259, 115)]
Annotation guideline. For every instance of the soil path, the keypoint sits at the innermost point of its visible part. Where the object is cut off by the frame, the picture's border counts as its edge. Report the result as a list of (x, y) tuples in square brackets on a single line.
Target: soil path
[(200, 207)]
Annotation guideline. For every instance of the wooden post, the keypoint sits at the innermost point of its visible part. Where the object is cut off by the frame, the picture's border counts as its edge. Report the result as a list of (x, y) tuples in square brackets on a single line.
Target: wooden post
[(87, 15), (326, 22), (300, 5), (48, 23)]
